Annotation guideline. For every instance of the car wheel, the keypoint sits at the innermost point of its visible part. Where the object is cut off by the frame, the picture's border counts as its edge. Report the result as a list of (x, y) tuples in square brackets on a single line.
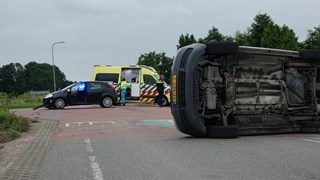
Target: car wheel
[(59, 103), (310, 54), (222, 131), (222, 48), (106, 102)]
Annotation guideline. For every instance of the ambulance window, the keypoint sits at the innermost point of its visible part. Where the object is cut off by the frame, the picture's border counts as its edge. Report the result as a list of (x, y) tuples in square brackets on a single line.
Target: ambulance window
[(149, 79), (111, 78)]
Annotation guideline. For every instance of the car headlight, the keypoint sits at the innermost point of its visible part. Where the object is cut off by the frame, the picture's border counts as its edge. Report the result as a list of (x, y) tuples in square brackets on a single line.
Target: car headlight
[(48, 96)]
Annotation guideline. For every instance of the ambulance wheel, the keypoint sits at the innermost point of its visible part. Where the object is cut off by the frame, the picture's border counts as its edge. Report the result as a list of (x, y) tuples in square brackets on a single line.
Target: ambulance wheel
[(165, 101)]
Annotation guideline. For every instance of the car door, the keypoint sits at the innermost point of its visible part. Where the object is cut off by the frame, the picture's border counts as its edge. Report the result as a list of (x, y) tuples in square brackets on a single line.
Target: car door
[(94, 92), (77, 94)]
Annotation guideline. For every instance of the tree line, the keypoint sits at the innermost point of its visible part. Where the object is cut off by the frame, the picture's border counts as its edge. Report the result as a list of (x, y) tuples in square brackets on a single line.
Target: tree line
[(16, 79), (263, 32)]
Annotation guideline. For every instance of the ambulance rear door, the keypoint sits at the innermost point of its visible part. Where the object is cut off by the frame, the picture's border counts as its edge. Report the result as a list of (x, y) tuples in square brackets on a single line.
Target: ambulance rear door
[(132, 75)]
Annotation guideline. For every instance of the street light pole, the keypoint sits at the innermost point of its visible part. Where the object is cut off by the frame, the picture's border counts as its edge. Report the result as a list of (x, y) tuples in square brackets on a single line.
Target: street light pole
[(53, 71)]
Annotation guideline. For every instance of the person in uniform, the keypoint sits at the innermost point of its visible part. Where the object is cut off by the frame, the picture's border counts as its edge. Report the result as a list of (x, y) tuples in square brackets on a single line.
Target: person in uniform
[(160, 88), (123, 86)]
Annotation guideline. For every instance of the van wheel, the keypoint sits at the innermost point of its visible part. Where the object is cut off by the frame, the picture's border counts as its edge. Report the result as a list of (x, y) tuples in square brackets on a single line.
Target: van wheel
[(310, 54), (222, 131), (59, 103), (106, 102), (222, 48)]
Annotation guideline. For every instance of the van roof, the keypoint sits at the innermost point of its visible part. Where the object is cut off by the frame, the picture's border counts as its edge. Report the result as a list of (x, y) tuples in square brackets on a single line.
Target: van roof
[(130, 66)]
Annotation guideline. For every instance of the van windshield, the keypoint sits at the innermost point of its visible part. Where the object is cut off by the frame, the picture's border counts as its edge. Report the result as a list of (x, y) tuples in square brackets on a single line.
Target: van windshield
[(157, 76)]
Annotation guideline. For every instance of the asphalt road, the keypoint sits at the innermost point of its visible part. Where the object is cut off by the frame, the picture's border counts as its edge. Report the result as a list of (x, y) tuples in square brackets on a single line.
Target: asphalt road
[(135, 142)]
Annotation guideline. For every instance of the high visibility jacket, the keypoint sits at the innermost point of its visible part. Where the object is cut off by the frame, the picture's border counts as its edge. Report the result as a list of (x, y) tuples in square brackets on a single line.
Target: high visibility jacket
[(124, 85), (159, 81)]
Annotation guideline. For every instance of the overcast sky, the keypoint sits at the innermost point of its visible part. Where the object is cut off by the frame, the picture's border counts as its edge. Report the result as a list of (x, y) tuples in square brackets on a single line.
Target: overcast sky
[(117, 32)]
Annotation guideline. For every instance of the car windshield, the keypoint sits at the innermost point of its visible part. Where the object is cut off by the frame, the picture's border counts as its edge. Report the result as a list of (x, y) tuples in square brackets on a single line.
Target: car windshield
[(68, 87)]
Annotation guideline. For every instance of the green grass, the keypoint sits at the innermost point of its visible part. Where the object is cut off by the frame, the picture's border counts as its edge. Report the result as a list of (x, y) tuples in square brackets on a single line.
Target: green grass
[(25, 101), (11, 126)]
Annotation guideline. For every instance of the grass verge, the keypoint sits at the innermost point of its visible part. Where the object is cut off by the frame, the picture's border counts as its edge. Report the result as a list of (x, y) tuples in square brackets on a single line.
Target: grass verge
[(11, 126)]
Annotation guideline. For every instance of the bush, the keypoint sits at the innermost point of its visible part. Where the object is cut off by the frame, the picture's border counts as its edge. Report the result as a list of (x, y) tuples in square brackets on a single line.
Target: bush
[(13, 134), (12, 125), (4, 101)]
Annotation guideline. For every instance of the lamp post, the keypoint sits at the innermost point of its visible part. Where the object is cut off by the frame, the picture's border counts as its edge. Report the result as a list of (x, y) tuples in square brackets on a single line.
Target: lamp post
[(53, 71)]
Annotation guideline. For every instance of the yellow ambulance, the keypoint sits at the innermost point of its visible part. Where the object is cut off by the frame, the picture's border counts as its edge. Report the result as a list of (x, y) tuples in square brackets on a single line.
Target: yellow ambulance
[(142, 79)]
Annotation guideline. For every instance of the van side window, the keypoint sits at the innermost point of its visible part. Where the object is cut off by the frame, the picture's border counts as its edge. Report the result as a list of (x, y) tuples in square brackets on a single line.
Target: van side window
[(111, 78), (149, 79)]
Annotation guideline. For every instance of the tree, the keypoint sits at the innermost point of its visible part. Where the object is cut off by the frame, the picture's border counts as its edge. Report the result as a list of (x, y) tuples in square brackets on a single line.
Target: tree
[(11, 78), (185, 40), (313, 39), (255, 32), (159, 61), (278, 37), (213, 34), (242, 38), (39, 77)]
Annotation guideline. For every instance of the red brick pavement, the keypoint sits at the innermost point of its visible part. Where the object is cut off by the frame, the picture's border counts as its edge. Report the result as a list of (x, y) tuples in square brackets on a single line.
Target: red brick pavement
[(80, 122)]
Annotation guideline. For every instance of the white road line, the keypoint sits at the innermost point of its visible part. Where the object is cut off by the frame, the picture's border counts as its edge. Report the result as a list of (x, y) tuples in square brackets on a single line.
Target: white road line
[(88, 145), (90, 123), (96, 171), (97, 174), (67, 124), (79, 123), (310, 140)]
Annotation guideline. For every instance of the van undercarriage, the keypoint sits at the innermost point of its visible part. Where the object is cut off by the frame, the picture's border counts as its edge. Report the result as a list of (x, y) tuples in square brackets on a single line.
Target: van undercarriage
[(223, 90)]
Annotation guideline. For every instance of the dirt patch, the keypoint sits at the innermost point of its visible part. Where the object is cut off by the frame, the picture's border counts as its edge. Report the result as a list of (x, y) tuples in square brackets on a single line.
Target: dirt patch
[(4, 137), (9, 150)]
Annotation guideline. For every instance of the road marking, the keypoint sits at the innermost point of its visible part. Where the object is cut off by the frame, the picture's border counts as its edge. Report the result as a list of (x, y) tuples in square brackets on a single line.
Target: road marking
[(96, 170), (88, 145), (92, 122), (97, 174), (310, 140)]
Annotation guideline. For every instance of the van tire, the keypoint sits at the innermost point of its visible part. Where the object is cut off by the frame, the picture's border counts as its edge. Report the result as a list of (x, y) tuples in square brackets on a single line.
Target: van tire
[(310, 127), (223, 131), (59, 103), (222, 48), (310, 54)]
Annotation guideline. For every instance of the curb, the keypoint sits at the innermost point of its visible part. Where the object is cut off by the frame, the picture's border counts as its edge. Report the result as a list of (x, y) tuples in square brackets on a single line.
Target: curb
[(26, 164)]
